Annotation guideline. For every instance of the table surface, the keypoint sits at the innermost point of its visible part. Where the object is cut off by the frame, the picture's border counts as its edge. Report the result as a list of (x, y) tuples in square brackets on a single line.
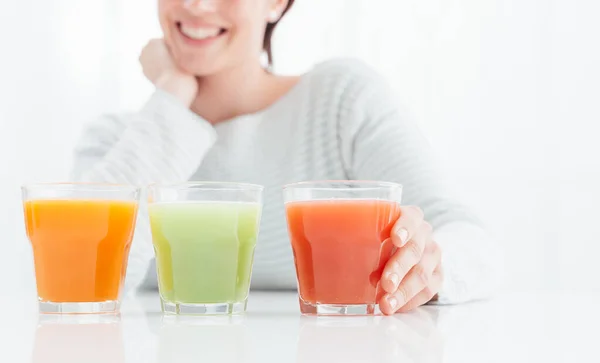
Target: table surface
[(516, 327)]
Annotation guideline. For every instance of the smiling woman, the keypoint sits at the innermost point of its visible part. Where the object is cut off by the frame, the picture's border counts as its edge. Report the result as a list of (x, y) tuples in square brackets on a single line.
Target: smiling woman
[(218, 115), (227, 32)]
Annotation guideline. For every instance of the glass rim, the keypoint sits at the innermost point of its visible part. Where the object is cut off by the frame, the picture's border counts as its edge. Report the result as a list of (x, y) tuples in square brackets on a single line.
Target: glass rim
[(330, 185), (207, 185), (83, 186)]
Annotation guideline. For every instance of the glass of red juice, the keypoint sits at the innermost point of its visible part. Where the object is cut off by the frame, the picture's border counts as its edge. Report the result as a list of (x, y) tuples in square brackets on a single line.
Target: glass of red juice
[(340, 235)]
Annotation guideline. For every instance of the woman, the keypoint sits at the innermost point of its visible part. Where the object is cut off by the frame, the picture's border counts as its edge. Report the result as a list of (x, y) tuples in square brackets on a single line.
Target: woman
[(217, 114)]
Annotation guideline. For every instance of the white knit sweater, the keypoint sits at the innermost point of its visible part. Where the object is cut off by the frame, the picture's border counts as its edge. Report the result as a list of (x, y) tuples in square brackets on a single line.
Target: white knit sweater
[(338, 122)]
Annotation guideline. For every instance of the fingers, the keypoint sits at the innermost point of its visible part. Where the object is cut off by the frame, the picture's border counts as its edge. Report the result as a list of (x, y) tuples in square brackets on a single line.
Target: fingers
[(406, 258), (420, 279), (426, 295), (406, 227), (156, 60), (151, 48)]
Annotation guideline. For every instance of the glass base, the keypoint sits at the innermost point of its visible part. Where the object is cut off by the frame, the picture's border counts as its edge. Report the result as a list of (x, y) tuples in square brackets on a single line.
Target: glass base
[(104, 307), (338, 309), (203, 309)]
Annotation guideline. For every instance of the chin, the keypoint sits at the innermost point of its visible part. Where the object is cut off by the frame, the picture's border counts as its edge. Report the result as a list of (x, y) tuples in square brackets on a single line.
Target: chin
[(200, 69), (199, 66)]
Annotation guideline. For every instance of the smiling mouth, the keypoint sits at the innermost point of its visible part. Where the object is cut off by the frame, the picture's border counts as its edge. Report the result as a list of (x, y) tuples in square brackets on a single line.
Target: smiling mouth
[(200, 33)]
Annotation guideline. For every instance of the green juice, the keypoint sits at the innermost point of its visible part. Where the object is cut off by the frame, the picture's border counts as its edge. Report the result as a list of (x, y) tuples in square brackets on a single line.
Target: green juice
[(204, 250)]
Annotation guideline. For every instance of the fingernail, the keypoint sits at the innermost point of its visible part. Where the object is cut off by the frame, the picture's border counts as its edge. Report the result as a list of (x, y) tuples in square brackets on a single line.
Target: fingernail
[(402, 235), (395, 280), (392, 302)]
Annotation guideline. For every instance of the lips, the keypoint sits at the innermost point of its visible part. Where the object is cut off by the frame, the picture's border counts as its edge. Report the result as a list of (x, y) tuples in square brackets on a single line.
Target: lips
[(200, 32)]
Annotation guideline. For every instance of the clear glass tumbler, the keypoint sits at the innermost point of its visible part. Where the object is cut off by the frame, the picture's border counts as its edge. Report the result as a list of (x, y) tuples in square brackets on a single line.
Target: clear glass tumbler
[(204, 236), (81, 236), (340, 235)]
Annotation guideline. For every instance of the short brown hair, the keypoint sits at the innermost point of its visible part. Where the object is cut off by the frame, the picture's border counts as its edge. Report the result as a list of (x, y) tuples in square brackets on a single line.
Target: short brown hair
[(267, 45)]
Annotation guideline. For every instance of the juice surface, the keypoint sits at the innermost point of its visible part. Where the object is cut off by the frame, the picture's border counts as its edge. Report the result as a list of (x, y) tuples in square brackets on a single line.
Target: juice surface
[(340, 248), (80, 247), (204, 250)]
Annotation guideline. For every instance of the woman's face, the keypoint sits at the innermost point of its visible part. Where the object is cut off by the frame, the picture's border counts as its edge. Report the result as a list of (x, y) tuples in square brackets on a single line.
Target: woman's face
[(207, 36)]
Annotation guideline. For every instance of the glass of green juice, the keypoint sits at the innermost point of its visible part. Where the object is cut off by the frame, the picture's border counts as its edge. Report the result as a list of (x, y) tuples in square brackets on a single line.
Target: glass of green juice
[(204, 235)]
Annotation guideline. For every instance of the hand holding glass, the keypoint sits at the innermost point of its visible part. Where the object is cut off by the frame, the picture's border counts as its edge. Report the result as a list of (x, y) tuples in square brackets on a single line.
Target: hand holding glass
[(340, 234)]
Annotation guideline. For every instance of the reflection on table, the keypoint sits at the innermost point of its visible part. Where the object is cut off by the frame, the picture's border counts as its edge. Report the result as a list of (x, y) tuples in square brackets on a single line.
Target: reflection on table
[(78, 339), (517, 328), (210, 339), (403, 338)]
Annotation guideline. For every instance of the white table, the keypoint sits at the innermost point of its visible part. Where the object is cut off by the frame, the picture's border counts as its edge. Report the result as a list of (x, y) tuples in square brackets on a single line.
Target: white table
[(518, 327)]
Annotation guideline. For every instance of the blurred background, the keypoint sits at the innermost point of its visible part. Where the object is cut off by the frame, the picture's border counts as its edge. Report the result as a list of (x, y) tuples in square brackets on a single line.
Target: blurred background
[(506, 90)]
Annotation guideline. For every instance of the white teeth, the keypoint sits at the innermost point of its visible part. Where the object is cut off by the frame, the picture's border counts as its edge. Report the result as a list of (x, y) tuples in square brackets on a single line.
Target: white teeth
[(200, 33)]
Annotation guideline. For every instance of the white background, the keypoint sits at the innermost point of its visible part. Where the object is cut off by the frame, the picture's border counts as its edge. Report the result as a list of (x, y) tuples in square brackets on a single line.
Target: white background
[(506, 90)]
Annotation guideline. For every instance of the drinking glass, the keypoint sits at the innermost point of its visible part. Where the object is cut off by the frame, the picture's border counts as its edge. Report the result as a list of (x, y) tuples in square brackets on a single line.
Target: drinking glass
[(81, 235), (204, 236), (340, 235)]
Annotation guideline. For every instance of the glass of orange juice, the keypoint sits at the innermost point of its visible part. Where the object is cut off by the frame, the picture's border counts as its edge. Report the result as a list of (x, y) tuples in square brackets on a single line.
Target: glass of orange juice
[(340, 235), (81, 235)]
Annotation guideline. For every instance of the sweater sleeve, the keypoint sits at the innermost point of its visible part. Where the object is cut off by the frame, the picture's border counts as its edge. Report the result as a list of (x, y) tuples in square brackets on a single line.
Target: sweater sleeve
[(379, 143), (164, 142)]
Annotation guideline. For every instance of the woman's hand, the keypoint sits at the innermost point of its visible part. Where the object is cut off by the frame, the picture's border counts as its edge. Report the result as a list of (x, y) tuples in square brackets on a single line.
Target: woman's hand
[(160, 69), (413, 276)]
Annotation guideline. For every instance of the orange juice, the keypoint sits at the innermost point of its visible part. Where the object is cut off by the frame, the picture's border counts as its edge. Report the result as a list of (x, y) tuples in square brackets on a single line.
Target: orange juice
[(80, 247)]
